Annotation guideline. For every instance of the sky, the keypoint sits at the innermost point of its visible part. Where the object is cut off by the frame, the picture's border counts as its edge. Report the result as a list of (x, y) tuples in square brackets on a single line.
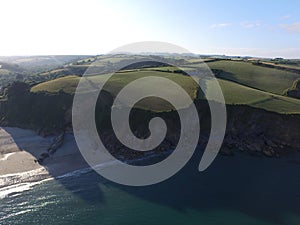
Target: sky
[(269, 28)]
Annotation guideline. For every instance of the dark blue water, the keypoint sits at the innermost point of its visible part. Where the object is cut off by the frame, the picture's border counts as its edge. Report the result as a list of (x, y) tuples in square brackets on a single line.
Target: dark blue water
[(239, 190)]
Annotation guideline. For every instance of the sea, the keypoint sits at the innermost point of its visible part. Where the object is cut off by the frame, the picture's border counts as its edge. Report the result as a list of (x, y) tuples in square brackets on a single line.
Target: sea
[(234, 190)]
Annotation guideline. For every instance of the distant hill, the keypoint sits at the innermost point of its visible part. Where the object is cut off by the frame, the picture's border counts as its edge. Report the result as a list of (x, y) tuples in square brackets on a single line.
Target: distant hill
[(27, 68), (41, 63), (9, 68)]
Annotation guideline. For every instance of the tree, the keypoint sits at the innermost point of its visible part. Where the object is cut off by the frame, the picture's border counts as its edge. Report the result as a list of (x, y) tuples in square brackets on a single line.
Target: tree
[(17, 89)]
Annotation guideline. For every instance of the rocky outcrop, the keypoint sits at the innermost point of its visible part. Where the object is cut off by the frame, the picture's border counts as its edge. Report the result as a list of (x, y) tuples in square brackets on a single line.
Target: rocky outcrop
[(55, 145)]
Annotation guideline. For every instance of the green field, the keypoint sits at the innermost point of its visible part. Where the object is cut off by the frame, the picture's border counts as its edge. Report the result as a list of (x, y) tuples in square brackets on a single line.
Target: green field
[(263, 78), (199, 60), (234, 93), (69, 83), (241, 95)]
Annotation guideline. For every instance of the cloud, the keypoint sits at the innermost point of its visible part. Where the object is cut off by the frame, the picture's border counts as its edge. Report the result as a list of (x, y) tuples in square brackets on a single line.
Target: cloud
[(285, 17), (249, 25), (246, 24), (220, 25), (294, 27)]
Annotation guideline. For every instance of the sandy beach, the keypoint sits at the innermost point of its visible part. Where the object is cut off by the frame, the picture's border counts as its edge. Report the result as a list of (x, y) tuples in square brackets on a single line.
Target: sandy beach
[(19, 148)]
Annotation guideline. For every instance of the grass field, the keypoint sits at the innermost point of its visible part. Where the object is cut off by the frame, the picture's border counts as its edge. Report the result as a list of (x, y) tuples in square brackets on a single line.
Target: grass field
[(288, 66), (241, 95), (263, 78), (200, 60), (234, 93), (170, 69), (69, 83)]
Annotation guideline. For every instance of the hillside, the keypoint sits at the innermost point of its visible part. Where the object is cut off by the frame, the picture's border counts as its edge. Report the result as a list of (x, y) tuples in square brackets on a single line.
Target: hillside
[(234, 93), (10, 72), (30, 69), (9, 68), (68, 84), (257, 118), (263, 78), (37, 64)]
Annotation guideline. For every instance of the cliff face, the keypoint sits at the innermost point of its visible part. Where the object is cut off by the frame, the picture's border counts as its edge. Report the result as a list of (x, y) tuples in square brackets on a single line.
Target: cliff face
[(262, 132), (256, 131)]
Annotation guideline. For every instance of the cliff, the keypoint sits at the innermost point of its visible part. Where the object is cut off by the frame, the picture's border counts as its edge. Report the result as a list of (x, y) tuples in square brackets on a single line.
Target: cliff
[(249, 129)]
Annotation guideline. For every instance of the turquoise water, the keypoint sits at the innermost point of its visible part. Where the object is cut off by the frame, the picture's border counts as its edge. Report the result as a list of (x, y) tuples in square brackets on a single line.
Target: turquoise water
[(239, 190)]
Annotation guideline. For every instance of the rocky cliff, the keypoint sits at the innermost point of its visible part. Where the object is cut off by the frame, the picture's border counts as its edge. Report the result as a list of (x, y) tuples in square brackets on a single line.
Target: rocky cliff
[(261, 132)]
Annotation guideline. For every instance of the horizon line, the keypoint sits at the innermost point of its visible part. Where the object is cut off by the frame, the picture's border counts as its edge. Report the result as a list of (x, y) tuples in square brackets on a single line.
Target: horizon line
[(156, 53)]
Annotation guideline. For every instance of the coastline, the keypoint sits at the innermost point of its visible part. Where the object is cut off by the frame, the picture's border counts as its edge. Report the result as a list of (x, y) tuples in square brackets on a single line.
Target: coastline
[(20, 148)]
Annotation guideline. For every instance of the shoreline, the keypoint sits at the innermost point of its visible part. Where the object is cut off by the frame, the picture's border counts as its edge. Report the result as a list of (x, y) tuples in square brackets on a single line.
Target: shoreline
[(24, 181), (20, 148)]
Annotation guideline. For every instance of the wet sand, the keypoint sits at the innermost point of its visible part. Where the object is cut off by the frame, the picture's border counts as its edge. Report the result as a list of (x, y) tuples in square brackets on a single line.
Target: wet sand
[(19, 148)]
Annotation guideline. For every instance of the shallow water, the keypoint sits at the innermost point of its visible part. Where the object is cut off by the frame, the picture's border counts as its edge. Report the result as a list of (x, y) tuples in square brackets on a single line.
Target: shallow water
[(234, 190)]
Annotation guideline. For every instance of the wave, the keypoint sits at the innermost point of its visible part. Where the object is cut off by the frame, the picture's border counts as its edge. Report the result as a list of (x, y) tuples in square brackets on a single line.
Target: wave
[(17, 188), (16, 183), (11, 184), (75, 173), (79, 172), (12, 179), (24, 174), (15, 214)]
